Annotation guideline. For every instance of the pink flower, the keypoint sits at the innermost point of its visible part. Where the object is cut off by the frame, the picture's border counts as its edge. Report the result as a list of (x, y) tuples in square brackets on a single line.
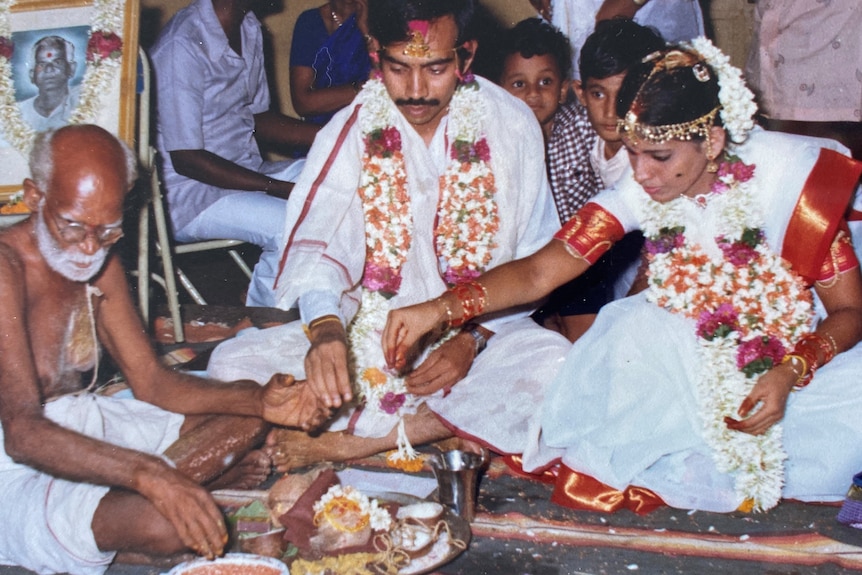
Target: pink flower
[(759, 355), (467, 78), (743, 251), (719, 187), (7, 47), (392, 402), (467, 152), (381, 278), (103, 45), (667, 240), (392, 138), (737, 170), (733, 171), (453, 276), (719, 323), (482, 150), (738, 253), (382, 143)]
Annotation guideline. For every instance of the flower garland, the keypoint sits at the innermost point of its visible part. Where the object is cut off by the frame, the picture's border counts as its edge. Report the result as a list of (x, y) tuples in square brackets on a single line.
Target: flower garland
[(381, 388), (749, 307), (349, 510), (737, 101), (467, 213), (467, 222), (383, 190), (104, 53)]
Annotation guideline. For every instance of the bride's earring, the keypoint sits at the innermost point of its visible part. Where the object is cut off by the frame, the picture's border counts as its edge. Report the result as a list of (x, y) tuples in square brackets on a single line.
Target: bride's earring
[(711, 164)]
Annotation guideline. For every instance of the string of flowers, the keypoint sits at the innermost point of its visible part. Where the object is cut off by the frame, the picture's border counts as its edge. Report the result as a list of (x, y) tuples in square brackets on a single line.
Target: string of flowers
[(467, 222), (383, 190), (748, 306), (737, 101), (104, 53), (467, 213)]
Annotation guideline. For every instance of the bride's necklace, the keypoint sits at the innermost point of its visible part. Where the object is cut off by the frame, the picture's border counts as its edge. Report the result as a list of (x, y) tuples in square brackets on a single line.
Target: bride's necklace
[(701, 200)]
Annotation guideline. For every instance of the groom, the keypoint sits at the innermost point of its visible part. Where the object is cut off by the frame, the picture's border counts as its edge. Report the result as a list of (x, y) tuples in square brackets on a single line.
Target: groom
[(424, 145)]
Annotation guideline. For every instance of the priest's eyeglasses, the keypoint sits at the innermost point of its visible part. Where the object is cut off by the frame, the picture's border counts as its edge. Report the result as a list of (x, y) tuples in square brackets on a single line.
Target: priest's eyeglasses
[(76, 232)]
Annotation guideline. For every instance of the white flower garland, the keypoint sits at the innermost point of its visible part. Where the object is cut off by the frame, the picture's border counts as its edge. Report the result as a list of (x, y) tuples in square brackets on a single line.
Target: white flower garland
[(385, 202), (467, 214), (100, 75), (767, 297), (466, 224), (384, 391), (737, 101)]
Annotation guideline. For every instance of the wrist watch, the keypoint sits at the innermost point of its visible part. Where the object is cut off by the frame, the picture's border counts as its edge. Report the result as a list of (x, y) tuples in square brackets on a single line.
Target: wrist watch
[(478, 337)]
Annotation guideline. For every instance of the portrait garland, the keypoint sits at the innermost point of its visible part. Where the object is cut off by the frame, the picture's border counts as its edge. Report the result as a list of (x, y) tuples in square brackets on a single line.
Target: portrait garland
[(104, 54)]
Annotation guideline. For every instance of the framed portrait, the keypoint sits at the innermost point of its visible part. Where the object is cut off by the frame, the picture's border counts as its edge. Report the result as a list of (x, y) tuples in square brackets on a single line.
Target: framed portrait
[(62, 62)]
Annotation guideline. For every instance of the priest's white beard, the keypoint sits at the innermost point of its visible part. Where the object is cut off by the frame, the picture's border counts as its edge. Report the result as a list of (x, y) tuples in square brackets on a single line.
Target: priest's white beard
[(67, 261)]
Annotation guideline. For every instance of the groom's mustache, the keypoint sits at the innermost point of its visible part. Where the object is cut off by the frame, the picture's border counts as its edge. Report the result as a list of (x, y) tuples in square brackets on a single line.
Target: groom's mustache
[(416, 102)]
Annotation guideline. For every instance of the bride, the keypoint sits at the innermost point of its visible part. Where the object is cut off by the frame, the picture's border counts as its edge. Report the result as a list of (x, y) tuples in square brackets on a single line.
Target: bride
[(683, 394)]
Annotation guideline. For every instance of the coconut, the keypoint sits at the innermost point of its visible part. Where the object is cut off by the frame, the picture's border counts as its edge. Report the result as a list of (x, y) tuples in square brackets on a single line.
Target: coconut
[(427, 513)]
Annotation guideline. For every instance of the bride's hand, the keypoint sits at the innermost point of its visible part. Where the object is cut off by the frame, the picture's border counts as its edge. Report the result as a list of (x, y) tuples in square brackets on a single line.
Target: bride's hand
[(405, 326)]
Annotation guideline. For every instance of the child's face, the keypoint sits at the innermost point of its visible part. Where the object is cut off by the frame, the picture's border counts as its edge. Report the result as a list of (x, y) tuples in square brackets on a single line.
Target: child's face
[(537, 82), (600, 99)]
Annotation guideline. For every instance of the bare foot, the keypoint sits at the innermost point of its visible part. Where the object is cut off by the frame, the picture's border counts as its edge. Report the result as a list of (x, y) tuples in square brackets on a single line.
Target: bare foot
[(291, 449), (164, 562), (248, 473)]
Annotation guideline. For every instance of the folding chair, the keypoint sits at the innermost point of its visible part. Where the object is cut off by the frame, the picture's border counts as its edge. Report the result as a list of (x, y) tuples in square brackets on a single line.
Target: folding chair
[(164, 247)]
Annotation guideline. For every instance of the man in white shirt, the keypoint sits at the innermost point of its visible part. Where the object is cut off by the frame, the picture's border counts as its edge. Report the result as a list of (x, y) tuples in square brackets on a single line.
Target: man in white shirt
[(54, 67), (213, 107)]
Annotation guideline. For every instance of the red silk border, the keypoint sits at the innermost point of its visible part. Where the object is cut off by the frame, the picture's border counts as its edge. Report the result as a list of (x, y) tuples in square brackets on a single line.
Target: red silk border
[(818, 213)]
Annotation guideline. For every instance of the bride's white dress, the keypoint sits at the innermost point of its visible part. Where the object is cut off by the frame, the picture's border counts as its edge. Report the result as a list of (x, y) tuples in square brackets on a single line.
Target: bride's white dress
[(624, 407)]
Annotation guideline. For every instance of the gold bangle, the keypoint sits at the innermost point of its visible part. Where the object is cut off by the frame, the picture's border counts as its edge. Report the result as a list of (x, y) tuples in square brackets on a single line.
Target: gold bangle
[(318, 321), (802, 376), (792, 359), (639, 2), (447, 325), (833, 344)]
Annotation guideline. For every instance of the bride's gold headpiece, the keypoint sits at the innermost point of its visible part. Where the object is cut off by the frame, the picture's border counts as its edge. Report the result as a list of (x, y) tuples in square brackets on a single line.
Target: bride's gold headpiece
[(634, 130), (630, 127)]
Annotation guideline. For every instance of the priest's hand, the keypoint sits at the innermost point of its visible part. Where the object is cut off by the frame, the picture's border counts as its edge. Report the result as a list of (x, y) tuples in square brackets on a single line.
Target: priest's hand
[(190, 508), (765, 405), (444, 367), (292, 404), (326, 362)]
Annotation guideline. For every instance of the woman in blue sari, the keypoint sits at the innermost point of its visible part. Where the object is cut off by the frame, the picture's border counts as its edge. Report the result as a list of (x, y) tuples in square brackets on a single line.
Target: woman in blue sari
[(328, 58)]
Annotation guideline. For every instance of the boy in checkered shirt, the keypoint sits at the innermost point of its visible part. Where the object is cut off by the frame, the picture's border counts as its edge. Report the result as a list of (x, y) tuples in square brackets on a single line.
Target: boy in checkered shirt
[(584, 152)]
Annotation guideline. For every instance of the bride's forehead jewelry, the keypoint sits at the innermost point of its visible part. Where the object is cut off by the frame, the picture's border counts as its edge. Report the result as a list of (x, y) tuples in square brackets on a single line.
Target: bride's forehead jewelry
[(635, 131), (417, 46)]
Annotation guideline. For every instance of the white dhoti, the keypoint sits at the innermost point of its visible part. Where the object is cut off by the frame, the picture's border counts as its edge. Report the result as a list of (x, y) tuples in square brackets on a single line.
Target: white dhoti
[(47, 521), (496, 404)]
